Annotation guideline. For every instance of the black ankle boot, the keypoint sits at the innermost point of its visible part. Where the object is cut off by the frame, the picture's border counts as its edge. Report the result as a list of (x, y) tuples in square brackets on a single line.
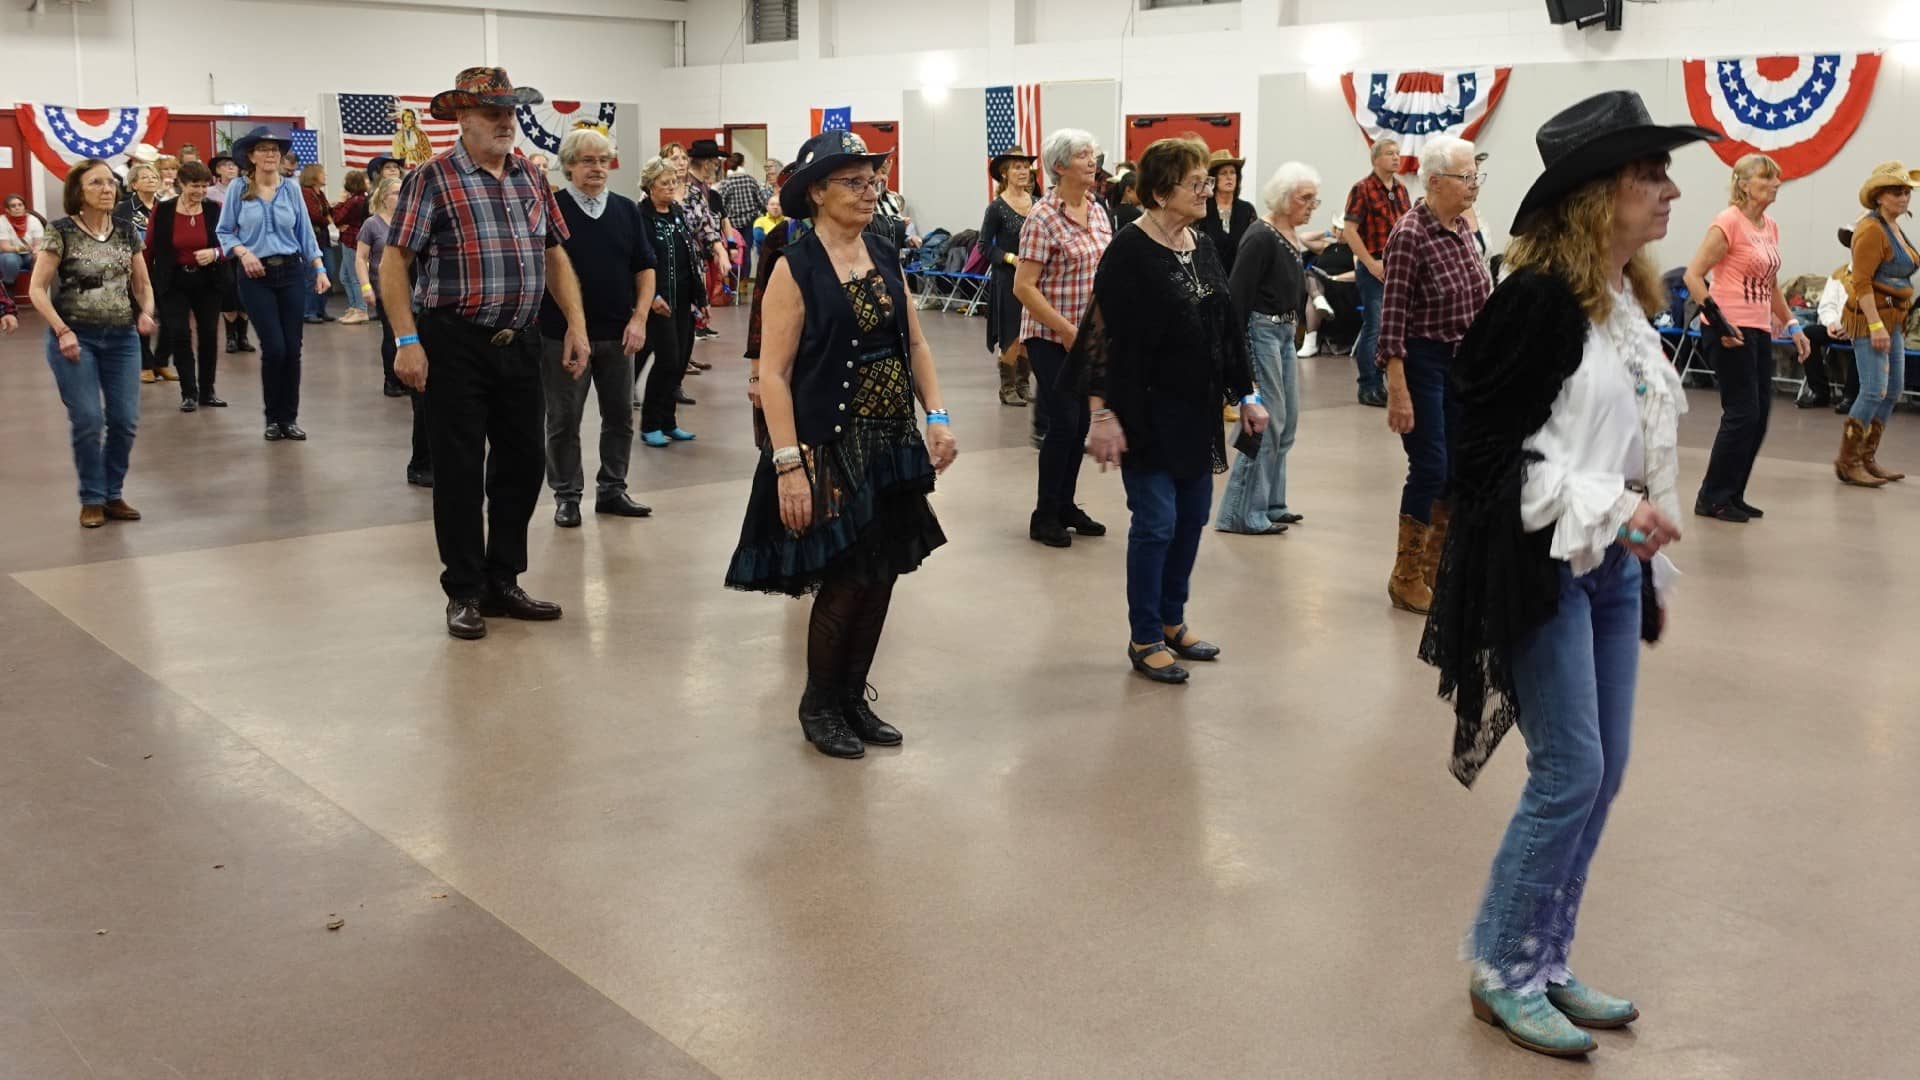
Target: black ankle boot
[(1046, 527), (240, 334), (869, 727), (233, 340), (824, 722)]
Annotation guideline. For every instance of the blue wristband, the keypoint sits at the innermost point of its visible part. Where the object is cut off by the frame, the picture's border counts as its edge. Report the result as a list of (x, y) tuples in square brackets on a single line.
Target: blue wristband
[(405, 340), (939, 416), (1252, 399)]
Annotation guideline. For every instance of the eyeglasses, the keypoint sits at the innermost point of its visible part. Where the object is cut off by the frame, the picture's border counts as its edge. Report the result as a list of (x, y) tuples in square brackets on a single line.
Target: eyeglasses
[(1469, 179), (1201, 188), (603, 162), (1314, 205), (856, 186)]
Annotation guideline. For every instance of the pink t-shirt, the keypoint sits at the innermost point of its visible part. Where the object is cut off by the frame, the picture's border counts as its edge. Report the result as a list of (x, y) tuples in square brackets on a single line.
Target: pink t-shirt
[(1743, 282)]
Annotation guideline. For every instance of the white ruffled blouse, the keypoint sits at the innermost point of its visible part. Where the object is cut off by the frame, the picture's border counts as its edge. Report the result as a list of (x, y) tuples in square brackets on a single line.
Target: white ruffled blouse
[(1617, 419)]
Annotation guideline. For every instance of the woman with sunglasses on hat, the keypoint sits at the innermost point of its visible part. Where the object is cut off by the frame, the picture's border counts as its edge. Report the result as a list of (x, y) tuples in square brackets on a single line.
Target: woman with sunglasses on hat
[(839, 503), (1880, 293), (1741, 252), (1564, 493), (1007, 214)]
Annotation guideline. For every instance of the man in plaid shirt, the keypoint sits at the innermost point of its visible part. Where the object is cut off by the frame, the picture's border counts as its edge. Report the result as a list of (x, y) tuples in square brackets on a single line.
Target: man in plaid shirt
[(1435, 287), (484, 232), (1374, 206)]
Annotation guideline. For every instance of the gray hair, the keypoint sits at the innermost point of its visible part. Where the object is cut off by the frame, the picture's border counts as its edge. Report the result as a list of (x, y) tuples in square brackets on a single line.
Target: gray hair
[(579, 141), (652, 171), (1285, 181), (1379, 148), (1060, 148), (1438, 154)]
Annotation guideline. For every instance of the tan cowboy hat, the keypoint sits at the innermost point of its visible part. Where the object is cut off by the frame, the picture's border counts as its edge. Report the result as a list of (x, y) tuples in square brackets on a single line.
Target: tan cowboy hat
[(1000, 160), (1885, 175), (1220, 159), (143, 152), (482, 86)]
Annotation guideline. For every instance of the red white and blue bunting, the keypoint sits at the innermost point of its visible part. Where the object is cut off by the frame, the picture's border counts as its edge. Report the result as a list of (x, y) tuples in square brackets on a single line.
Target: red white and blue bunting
[(1411, 107), (60, 135), (546, 124), (1799, 110)]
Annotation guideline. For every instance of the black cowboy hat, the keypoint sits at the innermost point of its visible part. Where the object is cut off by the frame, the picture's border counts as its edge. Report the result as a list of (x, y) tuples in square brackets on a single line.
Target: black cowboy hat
[(1594, 138), (243, 146), (704, 148), (379, 161), (481, 87), (213, 163), (817, 159)]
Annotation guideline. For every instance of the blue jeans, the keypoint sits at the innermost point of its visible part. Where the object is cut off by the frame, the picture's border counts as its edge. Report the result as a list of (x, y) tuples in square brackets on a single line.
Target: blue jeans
[(1257, 487), (1169, 514), (101, 391), (275, 301), (350, 279), (1367, 347), (1434, 414), (1574, 679), (1882, 374), (11, 264)]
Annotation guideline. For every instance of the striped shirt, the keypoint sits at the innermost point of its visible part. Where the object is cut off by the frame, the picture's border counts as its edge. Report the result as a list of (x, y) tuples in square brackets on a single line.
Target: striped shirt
[(482, 240)]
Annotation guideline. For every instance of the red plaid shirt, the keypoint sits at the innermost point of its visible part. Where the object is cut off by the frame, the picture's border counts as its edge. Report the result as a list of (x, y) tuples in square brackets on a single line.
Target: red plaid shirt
[(1436, 283), (482, 241), (1068, 254), (1374, 208)]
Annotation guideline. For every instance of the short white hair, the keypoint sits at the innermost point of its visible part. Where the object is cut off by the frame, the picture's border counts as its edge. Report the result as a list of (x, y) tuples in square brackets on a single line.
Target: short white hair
[(1061, 147), (577, 142), (1285, 181), (1438, 154), (652, 171)]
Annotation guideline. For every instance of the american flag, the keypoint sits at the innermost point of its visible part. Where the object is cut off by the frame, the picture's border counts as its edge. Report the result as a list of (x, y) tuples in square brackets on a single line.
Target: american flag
[(368, 121), (306, 145), (1013, 119)]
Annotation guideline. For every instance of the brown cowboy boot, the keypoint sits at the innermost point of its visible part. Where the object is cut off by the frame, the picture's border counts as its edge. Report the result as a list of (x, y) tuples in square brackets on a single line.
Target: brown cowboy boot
[(1436, 541), (1023, 377), (1407, 587), (1010, 384), (1848, 466), (1871, 447)]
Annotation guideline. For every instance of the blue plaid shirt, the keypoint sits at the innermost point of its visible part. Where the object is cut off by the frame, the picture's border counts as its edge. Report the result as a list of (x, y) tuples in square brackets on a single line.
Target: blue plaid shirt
[(482, 241)]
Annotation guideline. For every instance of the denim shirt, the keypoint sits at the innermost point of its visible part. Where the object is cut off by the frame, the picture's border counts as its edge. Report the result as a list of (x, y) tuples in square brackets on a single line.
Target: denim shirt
[(279, 227)]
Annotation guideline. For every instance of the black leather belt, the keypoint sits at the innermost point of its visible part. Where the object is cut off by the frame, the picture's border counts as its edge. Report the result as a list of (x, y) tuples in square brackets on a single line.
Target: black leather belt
[(497, 336), (280, 260)]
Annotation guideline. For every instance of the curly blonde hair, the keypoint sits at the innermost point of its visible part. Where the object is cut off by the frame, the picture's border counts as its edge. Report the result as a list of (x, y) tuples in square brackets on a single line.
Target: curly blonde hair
[(1570, 240)]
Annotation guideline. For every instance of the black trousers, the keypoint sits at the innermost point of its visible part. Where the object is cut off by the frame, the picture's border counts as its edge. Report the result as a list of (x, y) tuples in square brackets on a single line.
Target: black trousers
[(670, 343), (1818, 382), (1067, 419), (422, 456), (484, 424), (1745, 378), (193, 297)]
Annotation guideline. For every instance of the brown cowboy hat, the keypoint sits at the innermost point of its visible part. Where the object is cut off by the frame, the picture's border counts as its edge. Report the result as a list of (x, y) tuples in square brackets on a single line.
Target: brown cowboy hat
[(1220, 159), (479, 87), (1010, 154), (1887, 174)]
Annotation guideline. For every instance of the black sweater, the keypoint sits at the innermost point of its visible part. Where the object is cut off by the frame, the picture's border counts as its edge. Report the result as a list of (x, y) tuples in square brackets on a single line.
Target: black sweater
[(1226, 242), (606, 254)]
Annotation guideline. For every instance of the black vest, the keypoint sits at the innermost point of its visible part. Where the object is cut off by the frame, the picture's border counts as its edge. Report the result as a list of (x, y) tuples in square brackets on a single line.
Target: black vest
[(823, 374)]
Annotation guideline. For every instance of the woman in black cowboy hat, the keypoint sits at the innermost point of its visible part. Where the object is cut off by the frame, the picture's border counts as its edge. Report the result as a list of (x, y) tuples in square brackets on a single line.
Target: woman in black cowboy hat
[(839, 504), (1564, 468), (1012, 171)]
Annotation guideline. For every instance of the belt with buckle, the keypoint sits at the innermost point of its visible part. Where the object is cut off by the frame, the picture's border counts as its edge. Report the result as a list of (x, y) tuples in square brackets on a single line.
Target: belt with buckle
[(503, 338), (279, 260), (1289, 317)]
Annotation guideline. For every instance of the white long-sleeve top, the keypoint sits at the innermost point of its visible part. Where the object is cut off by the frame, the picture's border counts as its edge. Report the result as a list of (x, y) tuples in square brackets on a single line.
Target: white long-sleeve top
[(1616, 419), (1833, 297)]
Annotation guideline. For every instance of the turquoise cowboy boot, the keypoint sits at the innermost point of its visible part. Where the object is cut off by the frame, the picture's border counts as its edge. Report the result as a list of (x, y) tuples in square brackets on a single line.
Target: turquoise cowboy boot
[(1529, 1021), (1588, 1007)]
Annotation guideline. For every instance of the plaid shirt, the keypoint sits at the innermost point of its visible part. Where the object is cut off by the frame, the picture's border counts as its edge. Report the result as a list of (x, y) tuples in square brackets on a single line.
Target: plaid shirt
[(1375, 208), (1436, 283), (740, 194), (1068, 254), (482, 241), (701, 217)]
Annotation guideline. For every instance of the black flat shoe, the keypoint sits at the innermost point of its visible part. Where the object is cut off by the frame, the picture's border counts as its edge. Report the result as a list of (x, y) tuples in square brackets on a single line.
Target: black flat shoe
[(294, 432), (188, 404), (393, 389), (1200, 650), (1287, 518), (274, 434), (825, 723), (420, 477), (1047, 529), (210, 401), (870, 728), (1812, 401), (513, 602), (1726, 512), (1749, 509), (1374, 398), (1172, 673), (681, 397), (620, 504), (464, 620), (1077, 520), (1844, 406), (566, 514)]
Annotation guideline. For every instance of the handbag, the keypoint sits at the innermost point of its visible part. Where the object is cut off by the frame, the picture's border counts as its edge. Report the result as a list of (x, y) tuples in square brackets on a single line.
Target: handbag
[(1650, 621)]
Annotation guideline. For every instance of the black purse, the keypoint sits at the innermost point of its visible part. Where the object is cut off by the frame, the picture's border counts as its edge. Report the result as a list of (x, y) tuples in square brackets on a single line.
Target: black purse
[(1651, 622)]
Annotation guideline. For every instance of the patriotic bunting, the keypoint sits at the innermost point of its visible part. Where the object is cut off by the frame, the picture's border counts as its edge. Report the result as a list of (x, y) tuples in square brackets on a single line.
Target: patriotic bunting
[(60, 135), (545, 125), (1414, 106), (1799, 110)]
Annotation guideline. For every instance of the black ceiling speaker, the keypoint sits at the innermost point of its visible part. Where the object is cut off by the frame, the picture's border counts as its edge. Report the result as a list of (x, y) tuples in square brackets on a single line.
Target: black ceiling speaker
[(1581, 13)]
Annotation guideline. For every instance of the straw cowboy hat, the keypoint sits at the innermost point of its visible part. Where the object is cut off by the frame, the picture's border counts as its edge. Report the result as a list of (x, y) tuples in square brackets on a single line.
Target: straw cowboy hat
[(1220, 159), (1594, 138), (480, 87), (1887, 174)]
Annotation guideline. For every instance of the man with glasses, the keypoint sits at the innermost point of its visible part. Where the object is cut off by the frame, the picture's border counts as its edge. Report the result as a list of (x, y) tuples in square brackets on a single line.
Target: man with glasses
[(1374, 206), (1434, 287), (613, 257)]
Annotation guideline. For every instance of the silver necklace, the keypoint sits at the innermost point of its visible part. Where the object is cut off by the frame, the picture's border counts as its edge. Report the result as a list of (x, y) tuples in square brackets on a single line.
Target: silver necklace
[(100, 236), (1183, 257)]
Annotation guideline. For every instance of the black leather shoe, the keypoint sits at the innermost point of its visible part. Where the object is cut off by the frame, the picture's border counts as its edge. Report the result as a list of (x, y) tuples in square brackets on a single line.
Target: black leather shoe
[(188, 404), (1749, 509), (1288, 518), (1076, 519), (464, 620), (869, 727), (620, 504), (825, 723), (1199, 650), (680, 396), (420, 477), (566, 514), (292, 431), (211, 401), (1807, 399), (1374, 398), (1172, 673), (1724, 512), (394, 389), (274, 433), (1843, 405), (513, 602), (1046, 528)]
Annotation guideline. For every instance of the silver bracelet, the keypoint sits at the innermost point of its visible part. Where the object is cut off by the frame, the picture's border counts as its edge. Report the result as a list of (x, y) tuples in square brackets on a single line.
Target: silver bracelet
[(787, 455)]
